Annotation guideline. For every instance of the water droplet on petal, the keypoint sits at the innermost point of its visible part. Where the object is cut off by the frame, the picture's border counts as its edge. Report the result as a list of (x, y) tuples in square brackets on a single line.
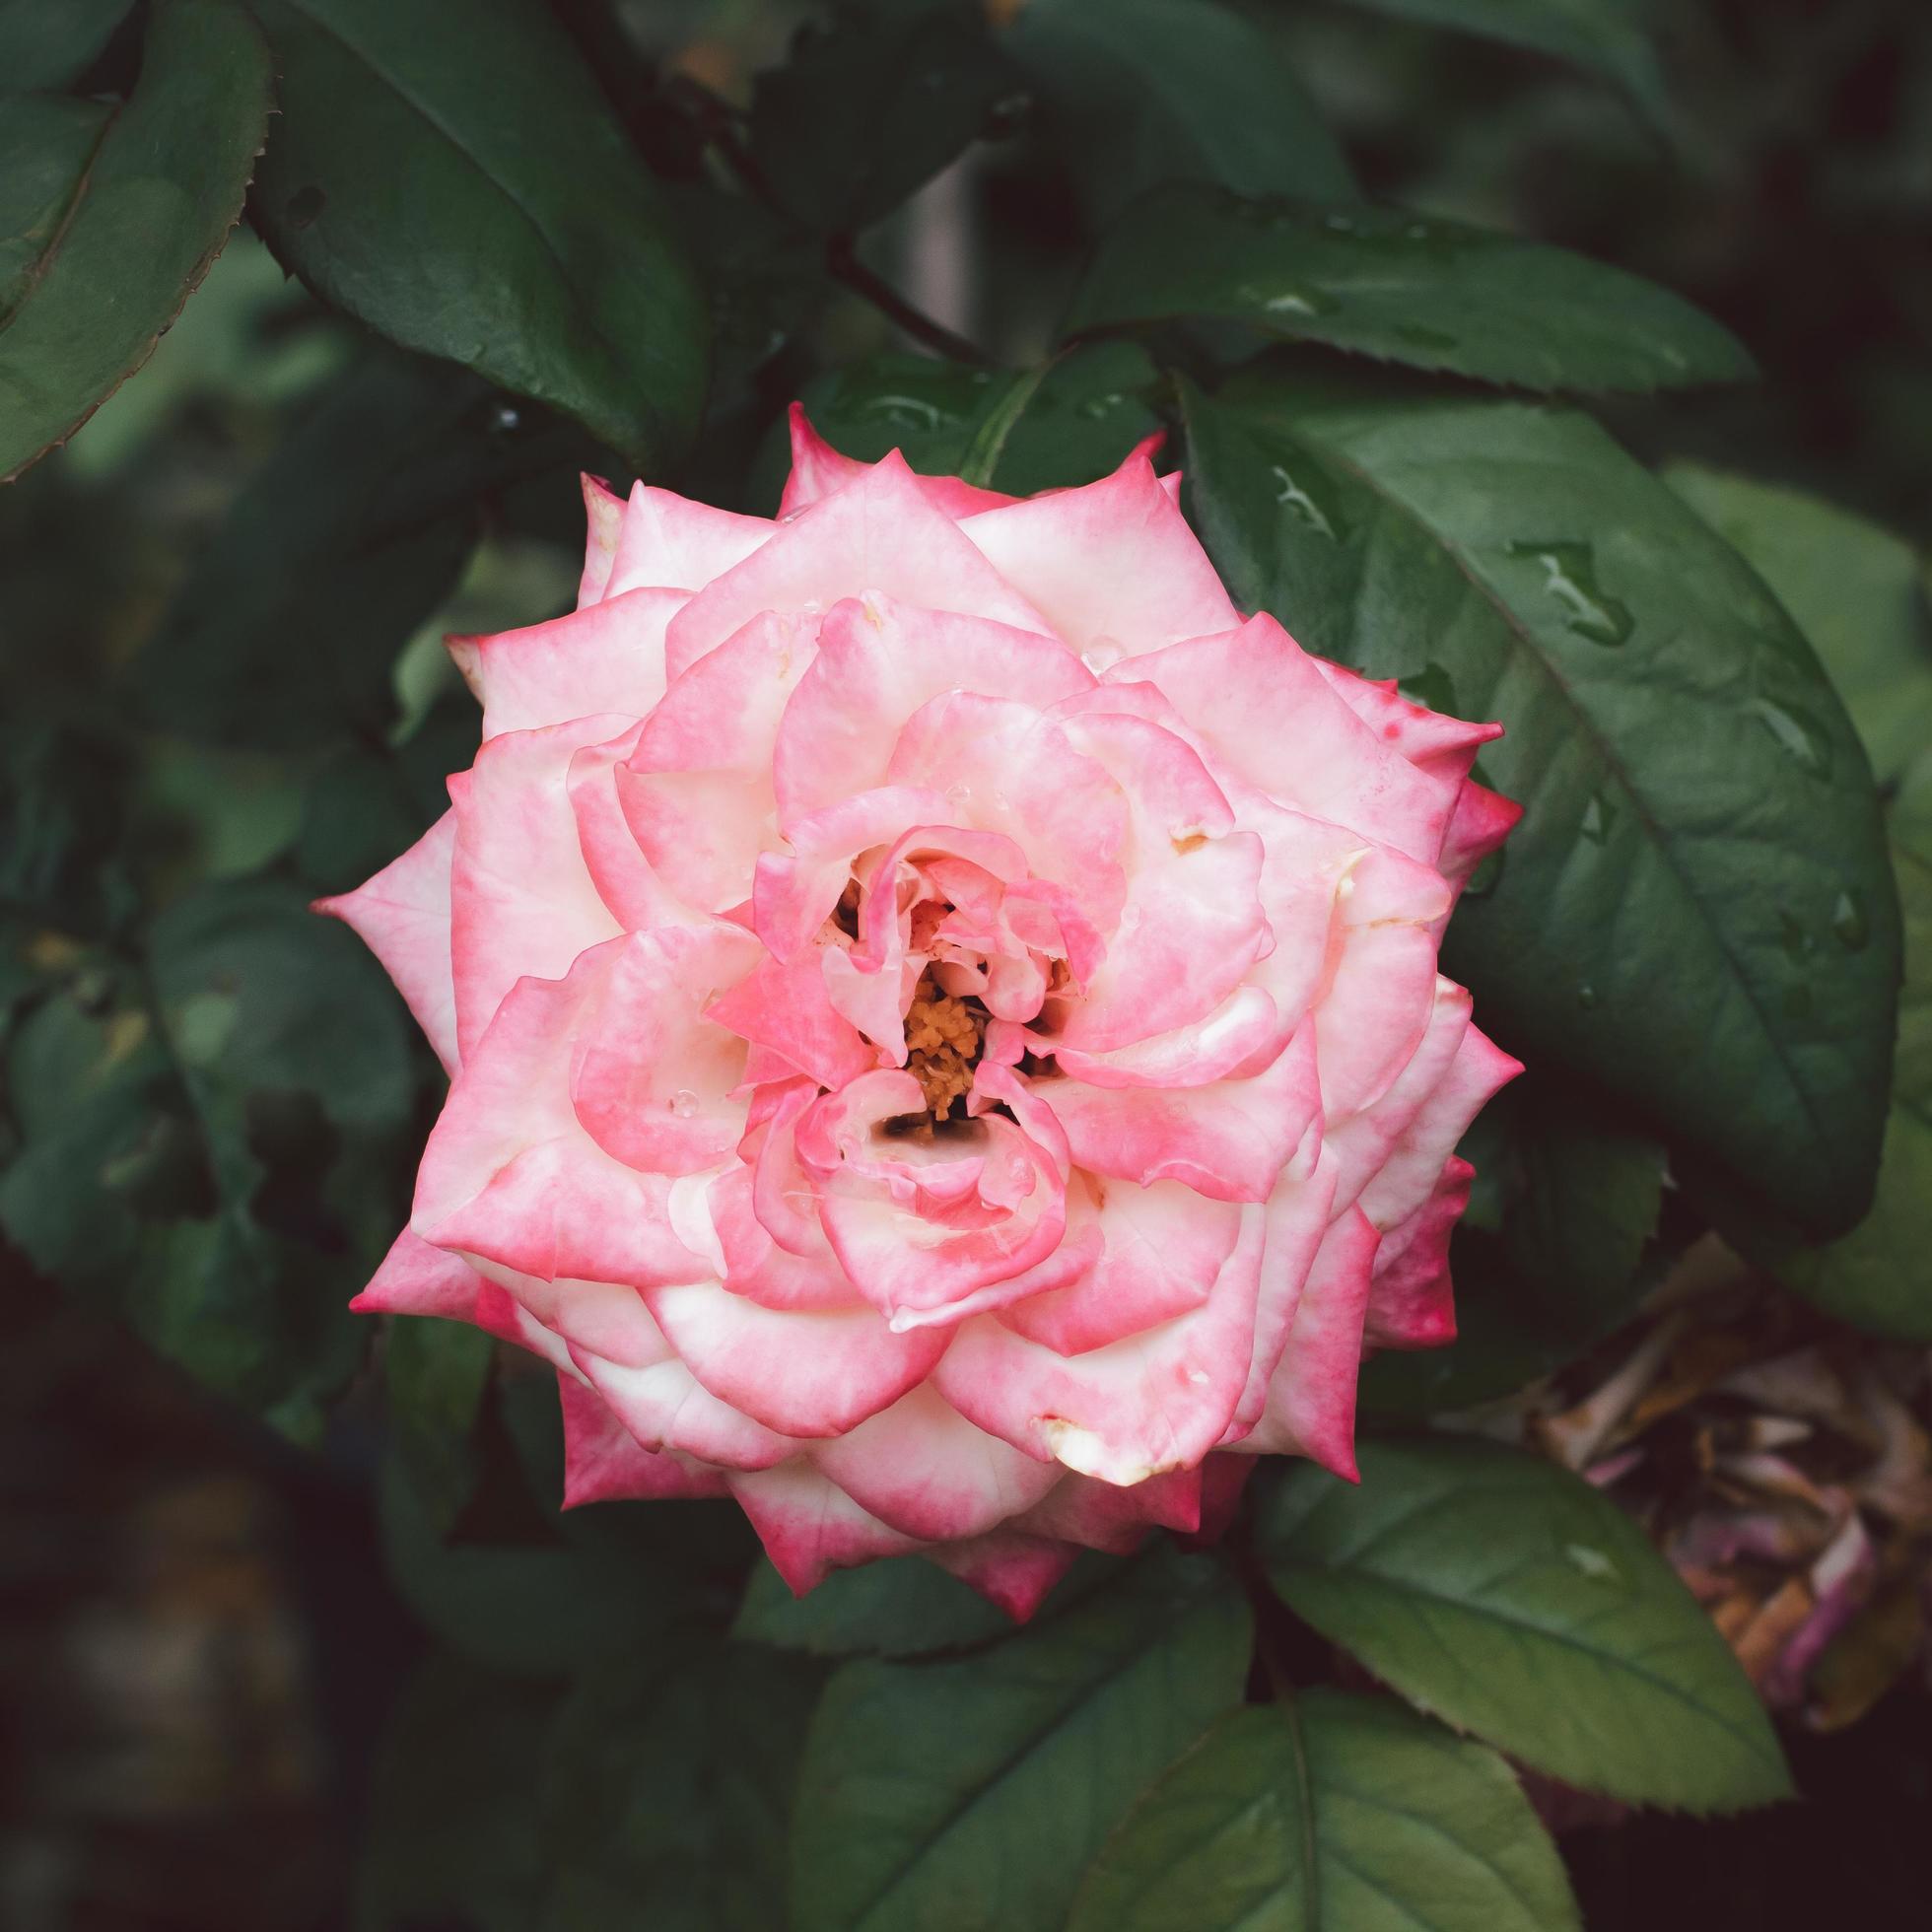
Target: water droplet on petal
[(685, 1103)]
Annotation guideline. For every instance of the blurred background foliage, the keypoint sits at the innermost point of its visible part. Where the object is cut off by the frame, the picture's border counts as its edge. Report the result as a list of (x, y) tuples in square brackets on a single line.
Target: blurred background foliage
[(291, 1614)]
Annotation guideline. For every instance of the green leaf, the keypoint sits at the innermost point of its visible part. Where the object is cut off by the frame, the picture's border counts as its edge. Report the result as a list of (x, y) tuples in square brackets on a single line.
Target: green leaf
[(1077, 421), (1378, 282), (1879, 1277), (1581, 1196), (551, 1592), (665, 1789), (1697, 912), (452, 1833), (287, 630), (1855, 589), (904, 1608), (46, 141), (929, 77), (970, 1794), (899, 1608), (1145, 91), (145, 210), (456, 179), (52, 43), (1604, 37), (1329, 1813), (259, 996), (1510, 1599), (437, 1373)]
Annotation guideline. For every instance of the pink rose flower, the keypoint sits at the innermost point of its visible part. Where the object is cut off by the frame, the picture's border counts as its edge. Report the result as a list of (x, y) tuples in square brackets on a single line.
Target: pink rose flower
[(942, 1017)]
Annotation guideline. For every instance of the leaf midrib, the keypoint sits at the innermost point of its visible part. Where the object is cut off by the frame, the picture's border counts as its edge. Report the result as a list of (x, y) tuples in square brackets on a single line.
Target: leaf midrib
[(1613, 763), (35, 276)]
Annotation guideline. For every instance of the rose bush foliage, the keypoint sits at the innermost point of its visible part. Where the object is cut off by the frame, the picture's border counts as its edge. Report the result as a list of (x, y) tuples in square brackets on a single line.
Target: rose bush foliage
[(944, 1019)]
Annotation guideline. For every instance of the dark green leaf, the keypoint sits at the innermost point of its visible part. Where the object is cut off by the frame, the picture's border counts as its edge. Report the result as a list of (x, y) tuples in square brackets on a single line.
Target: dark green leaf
[(1670, 918), (1077, 422), (547, 1592), (928, 77), (287, 630), (902, 1607), (46, 141), (666, 1789), (52, 43), (455, 178), (1879, 1277), (1329, 1813), (437, 1373), (1580, 1201), (453, 1821), (1379, 282), (1145, 92), (899, 1609), (1509, 1598), (1856, 592), (145, 211), (1604, 37), (970, 1794)]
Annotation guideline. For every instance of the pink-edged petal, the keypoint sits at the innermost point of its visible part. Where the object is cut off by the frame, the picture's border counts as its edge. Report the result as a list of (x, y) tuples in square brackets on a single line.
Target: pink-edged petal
[(1012, 1572), (817, 470), (603, 1462), (1481, 820), (1192, 921), (763, 1270), (921, 1468), (622, 878), (1444, 747), (1113, 559), (1408, 1173), (878, 664), (653, 1079), (1154, 1253), (809, 1526), (1411, 1302), (1154, 1401), (785, 1006), (1364, 1142), (606, 659), (666, 541), (1376, 1009), (697, 788), (1005, 768), (1243, 1034), (878, 533), (416, 1279), (523, 902), (1270, 719), (1311, 1398), (1105, 1516), (1229, 1141), (802, 1373), (402, 916), (604, 514), (794, 893), (509, 1174), (666, 1408)]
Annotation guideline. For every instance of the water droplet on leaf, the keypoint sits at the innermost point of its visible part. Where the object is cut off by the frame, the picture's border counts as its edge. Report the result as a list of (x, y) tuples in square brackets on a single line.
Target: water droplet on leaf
[(1796, 734), (1848, 922), (1570, 579)]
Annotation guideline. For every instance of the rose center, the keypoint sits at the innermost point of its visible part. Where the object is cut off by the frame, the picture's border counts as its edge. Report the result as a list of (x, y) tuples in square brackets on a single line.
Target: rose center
[(943, 1038)]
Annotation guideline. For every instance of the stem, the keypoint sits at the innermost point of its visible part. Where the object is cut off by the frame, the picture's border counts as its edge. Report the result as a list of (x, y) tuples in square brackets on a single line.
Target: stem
[(842, 261), (720, 122)]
